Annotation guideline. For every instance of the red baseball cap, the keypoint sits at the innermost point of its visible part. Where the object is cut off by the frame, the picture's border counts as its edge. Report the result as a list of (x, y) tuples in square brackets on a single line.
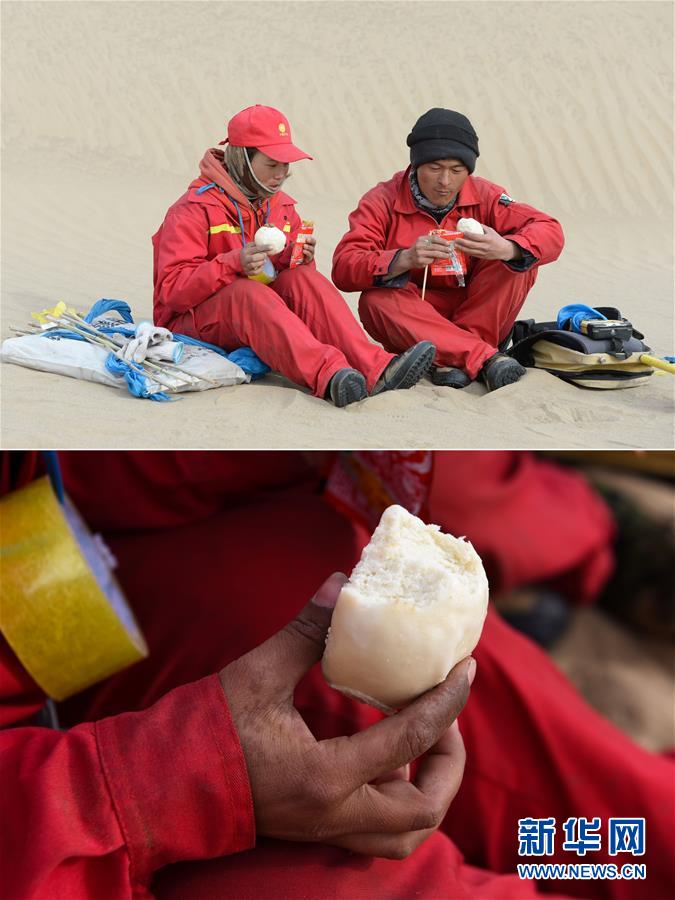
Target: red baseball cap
[(268, 130)]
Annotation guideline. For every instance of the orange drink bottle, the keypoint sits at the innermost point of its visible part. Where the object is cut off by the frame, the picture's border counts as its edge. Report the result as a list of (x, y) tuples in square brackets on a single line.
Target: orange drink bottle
[(306, 229), (455, 264)]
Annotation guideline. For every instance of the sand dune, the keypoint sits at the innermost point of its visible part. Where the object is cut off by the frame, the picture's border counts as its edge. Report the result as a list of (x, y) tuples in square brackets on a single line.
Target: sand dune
[(107, 107)]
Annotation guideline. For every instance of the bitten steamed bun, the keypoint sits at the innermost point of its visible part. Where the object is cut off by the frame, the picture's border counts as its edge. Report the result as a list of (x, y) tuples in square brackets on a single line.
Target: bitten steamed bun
[(413, 607)]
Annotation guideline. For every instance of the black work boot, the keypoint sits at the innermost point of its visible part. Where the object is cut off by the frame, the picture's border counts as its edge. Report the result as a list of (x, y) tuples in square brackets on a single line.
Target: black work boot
[(501, 370), (405, 370), (346, 386), (448, 376)]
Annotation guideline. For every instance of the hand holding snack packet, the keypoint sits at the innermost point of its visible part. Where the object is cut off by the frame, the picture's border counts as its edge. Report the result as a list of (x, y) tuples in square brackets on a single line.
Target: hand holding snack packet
[(455, 263), (303, 248)]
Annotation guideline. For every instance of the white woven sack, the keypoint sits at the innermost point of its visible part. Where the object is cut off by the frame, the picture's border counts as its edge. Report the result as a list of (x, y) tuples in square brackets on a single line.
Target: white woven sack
[(79, 359)]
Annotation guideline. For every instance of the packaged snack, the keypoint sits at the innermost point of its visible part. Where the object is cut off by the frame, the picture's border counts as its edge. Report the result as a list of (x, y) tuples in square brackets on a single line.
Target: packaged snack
[(306, 230), (455, 264)]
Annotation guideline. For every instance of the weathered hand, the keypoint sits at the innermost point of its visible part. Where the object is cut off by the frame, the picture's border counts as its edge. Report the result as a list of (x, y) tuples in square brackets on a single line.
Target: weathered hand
[(253, 258), (425, 250), (308, 249), (309, 790), (439, 776), (487, 246)]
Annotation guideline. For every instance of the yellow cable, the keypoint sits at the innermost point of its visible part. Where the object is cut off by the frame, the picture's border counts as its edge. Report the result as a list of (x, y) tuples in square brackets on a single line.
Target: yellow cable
[(657, 363)]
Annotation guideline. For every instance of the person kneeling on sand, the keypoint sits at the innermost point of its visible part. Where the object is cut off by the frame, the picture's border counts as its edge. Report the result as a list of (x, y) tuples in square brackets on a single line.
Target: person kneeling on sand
[(388, 246), (212, 282)]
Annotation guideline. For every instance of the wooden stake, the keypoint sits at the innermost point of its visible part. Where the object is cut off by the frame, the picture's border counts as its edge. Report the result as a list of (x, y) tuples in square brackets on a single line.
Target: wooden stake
[(117, 346)]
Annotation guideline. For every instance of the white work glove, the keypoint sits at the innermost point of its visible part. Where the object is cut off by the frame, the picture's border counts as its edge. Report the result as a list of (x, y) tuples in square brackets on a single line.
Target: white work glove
[(167, 350), (147, 335)]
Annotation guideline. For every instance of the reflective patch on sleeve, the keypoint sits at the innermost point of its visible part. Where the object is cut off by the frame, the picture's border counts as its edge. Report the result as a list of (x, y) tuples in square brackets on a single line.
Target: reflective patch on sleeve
[(505, 200), (230, 229)]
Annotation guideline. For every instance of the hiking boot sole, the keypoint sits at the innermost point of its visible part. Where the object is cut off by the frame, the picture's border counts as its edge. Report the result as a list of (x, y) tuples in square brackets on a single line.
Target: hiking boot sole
[(408, 376), (348, 388), (503, 367)]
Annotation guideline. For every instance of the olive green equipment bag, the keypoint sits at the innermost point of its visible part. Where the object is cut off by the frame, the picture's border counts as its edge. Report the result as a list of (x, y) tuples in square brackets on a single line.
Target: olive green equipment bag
[(605, 354)]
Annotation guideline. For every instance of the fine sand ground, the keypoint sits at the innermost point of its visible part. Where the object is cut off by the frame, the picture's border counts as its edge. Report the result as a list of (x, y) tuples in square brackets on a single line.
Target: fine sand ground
[(107, 108), (627, 677)]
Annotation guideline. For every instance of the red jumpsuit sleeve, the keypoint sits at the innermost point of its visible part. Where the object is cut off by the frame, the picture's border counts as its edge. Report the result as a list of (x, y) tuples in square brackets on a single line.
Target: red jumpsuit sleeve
[(95, 811), (533, 230), (362, 255), (185, 276)]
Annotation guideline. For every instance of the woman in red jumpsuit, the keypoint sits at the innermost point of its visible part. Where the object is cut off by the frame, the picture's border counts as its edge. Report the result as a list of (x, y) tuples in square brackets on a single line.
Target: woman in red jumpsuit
[(217, 551), (212, 282)]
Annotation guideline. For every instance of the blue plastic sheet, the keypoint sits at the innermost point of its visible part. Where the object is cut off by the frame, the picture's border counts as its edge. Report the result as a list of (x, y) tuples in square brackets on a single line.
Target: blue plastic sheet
[(576, 313), (137, 383), (103, 306), (250, 362), (64, 333)]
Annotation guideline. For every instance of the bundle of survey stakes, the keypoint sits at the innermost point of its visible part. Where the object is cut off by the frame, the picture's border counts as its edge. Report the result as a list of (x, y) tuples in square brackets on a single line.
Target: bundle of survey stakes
[(107, 347)]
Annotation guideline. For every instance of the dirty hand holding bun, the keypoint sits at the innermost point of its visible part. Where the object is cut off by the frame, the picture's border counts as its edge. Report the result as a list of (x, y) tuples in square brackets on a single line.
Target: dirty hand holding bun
[(326, 791)]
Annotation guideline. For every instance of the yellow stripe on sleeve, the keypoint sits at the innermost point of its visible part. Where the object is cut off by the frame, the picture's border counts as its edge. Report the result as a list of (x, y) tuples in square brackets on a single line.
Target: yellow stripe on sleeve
[(230, 229)]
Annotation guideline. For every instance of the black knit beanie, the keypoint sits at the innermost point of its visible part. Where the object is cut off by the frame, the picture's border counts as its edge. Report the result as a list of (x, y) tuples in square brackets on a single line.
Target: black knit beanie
[(443, 134)]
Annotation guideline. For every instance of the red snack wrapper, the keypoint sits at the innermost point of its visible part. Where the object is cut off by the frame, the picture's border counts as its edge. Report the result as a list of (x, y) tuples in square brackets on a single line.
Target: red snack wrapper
[(306, 230), (455, 264)]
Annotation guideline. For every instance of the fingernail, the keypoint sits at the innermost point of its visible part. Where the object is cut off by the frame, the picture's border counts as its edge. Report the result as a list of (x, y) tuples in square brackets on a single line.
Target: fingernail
[(329, 591), (471, 671)]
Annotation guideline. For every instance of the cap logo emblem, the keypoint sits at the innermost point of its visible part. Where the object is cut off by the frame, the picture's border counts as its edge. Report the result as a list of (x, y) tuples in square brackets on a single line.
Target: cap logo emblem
[(282, 128)]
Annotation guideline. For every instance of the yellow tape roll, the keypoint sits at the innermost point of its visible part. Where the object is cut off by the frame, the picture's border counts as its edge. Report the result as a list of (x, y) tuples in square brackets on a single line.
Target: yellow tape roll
[(61, 610)]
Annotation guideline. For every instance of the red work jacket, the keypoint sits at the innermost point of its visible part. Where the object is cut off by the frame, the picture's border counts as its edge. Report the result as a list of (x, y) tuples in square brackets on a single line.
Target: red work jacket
[(82, 817), (387, 220), (93, 812), (197, 248)]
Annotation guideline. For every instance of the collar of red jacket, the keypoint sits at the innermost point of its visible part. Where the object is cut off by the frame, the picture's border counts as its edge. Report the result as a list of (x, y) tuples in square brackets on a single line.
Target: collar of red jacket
[(404, 203), (213, 172)]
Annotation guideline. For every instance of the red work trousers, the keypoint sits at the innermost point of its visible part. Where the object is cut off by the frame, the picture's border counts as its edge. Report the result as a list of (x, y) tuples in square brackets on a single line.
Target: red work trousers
[(466, 324), (534, 747), (299, 325)]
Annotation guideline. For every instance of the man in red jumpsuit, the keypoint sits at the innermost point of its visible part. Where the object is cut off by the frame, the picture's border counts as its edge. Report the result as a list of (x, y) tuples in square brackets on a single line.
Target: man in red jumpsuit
[(388, 246), (195, 756), (214, 283)]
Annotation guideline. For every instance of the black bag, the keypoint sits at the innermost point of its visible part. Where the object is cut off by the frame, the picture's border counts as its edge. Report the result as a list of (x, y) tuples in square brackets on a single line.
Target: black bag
[(613, 362)]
